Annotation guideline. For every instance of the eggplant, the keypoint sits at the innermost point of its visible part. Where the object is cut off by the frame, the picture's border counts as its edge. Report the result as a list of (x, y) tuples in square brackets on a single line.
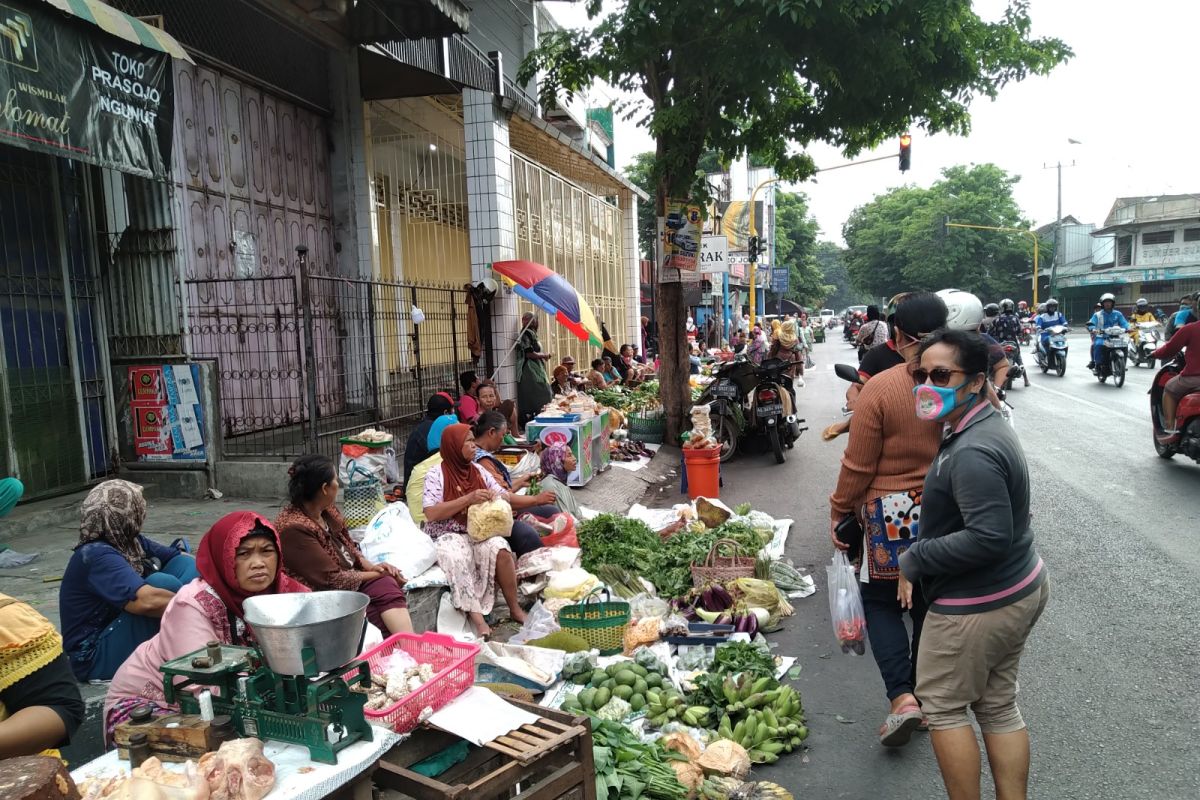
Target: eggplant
[(726, 619), (716, 598)]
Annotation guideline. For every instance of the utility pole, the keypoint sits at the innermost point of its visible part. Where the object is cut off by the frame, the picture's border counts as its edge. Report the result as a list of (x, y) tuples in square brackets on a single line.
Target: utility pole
[(1057, 225)]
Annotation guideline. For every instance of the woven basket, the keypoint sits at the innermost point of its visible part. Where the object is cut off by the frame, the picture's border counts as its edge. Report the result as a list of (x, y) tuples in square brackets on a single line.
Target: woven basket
[(649, 430), (718, 568), (601, 624), (362, 497)]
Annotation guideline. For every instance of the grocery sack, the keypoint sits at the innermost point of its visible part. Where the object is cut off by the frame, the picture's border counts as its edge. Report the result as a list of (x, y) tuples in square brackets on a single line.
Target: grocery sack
[(392, 536), (488, 519), (845, 605), (376, 457)]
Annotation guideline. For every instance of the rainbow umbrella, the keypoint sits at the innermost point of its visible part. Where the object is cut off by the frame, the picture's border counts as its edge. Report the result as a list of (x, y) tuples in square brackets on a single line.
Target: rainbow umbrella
[(552, 293)]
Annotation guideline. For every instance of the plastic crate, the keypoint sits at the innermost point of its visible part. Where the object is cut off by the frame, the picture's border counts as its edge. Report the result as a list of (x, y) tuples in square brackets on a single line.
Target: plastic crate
[(454, 672)]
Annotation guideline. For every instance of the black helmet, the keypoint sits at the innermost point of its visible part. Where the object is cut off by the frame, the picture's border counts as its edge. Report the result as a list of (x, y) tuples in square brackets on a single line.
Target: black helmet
[(1007, 306), (991, 310)]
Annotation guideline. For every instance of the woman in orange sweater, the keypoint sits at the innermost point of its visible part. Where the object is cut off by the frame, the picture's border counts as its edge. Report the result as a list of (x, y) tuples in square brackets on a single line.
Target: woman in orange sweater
[(883, 471)]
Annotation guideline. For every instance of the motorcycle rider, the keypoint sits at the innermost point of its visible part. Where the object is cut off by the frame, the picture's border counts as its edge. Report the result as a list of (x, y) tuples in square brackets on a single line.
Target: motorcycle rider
[(1007, 328), (1107, 317), (991, 313), (964, 312), (1023, 311), (1184, 316), (1188, 379), (1050, 317), (1141, 313)]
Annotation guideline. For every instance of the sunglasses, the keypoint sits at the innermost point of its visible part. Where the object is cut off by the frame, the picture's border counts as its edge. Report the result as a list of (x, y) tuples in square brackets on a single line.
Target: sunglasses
[(940, 376)]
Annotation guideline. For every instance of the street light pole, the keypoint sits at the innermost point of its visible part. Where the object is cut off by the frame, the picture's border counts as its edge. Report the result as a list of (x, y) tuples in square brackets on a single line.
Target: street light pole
[(754, 261), (1031, 234)]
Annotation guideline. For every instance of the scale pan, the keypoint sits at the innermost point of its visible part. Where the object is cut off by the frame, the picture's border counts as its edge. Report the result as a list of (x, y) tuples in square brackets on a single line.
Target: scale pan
[(331, 623)]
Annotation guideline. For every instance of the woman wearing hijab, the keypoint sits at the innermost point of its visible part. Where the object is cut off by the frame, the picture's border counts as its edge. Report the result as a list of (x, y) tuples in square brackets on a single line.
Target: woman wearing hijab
[(117, 583), (557, 463), (473, 569), (11, 490), (40, 706), (533, 387), (756, 348), (237, 559), (786, 346), (320, 554)]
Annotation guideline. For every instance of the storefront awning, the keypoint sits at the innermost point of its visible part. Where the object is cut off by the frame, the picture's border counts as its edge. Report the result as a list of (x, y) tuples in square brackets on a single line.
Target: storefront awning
[(120, 24)]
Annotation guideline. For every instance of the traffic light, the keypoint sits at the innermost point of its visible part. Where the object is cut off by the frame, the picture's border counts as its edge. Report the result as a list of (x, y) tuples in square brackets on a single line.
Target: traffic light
[(905, 151), (754, 248)]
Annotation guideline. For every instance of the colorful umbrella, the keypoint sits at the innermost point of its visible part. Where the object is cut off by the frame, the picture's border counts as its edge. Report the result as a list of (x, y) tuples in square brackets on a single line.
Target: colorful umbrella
[(551, 292)]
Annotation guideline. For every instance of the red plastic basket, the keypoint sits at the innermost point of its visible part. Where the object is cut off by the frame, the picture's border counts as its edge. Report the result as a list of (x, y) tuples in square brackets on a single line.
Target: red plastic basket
[(454, 672)]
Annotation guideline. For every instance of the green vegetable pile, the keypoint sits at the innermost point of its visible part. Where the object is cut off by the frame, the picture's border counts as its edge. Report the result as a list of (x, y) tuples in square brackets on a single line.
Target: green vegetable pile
[(623, 680), (626, 400), (628, 769), (631, 545)]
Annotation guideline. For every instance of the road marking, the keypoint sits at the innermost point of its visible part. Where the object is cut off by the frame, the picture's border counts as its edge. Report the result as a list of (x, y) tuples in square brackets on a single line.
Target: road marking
[(1097, 406)]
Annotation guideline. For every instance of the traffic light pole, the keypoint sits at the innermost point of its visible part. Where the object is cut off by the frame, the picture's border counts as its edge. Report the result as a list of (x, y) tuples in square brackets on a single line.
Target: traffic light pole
[(754, 255), (1022, 231)]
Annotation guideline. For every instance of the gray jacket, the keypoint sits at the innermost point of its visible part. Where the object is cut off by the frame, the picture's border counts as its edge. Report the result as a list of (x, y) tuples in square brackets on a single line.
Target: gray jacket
[(974, 549)]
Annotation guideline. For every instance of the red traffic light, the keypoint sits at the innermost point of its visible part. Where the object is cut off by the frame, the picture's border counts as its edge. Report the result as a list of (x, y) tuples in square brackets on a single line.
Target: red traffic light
[(905, 151), (905, 140)]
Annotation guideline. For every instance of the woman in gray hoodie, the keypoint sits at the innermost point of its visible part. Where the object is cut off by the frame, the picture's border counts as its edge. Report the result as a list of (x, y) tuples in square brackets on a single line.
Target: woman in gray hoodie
[(977, 566)]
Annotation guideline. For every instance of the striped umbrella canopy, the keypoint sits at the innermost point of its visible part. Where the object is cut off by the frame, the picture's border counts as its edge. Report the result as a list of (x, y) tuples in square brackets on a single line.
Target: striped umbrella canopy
[(554, 294)]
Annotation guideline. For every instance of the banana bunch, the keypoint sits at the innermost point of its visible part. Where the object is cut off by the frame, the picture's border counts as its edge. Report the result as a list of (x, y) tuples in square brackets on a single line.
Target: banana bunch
[(667, 705), (769, 717)]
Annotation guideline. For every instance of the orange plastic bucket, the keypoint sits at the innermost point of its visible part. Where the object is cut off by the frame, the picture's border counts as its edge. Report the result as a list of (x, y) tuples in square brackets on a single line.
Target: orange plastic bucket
[(703, 472)]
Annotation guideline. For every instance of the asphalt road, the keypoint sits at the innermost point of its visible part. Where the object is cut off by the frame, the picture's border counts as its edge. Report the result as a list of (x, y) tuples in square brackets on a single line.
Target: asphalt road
[(1110, 680)]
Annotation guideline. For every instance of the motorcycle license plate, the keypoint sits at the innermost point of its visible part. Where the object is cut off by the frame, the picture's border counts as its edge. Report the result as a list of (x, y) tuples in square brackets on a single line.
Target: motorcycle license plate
[(727, 390), (770, 409)]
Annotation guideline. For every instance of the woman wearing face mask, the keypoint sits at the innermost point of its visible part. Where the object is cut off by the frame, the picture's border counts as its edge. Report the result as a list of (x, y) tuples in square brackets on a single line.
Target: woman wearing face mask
[(880, 482), (237, 559), (976, 564)]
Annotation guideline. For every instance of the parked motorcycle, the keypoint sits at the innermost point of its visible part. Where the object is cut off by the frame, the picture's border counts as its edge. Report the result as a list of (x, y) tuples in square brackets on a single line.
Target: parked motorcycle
[(1149, 339), (745, 400), (1015, 369), (1113, 356), (1187, 417), (1055, 355)]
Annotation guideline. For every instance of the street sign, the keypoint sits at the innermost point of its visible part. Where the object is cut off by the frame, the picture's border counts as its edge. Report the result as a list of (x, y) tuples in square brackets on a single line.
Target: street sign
[(714, 254), (779, 280)]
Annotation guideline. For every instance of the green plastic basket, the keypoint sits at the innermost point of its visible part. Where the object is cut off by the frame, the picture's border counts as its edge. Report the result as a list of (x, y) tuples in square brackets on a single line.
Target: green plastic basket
[(650, 430), (600, 623)]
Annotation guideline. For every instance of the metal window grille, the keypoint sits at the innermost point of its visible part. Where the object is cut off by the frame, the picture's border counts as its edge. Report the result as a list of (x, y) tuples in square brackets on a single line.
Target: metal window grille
[(1158, 237)]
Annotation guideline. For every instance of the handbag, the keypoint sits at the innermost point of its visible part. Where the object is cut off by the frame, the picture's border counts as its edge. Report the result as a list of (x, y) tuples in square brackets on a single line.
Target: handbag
[(892, 525), (850, 533)]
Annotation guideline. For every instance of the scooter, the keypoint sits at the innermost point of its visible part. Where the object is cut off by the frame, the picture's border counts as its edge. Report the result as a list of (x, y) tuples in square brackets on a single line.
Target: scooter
[(1148, 340), (1015, 368), (1026, 333), (1113, 355), (1055, 355), (1187, 417), (769, 408), (744, 399)]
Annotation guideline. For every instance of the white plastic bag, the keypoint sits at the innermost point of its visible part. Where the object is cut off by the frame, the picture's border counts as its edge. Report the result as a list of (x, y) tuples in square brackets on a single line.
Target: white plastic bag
[(845, 605), (392, 536), (528, 463), (539, 622), (379, 462)]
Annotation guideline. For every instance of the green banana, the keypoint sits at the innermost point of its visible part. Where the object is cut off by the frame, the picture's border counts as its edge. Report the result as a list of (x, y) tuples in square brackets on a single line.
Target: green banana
[(772, 748), (802, 734), (772, 720), (751, 726), (729, 689), (761, 684), (724, 730), (739, 731)]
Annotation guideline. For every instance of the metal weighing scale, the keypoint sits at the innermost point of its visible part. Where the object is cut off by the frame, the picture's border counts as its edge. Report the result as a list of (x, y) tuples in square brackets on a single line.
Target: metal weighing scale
[(302, 700)]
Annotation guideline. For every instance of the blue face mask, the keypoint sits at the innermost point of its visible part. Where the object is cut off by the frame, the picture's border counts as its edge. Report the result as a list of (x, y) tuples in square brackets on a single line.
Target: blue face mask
[(935, 402)]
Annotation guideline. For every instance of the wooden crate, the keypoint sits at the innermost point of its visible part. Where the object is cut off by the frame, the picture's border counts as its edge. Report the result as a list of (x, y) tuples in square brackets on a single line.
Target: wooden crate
[(550, 760)]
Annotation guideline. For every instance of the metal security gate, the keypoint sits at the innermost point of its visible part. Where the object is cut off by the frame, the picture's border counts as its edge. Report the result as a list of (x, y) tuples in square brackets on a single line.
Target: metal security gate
[(53, 431)]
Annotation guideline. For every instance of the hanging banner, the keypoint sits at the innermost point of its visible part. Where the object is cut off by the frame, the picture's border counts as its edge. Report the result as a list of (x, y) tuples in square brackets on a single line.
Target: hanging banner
[(682, 235), (714, 254), (69, 89)]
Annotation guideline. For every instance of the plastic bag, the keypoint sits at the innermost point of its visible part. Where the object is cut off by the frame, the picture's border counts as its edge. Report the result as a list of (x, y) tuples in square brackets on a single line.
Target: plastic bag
[(539, 622), (845, 606), (529, 463), (674, 625), (392, 536), (571, 584), (488, 519), (645, 605)]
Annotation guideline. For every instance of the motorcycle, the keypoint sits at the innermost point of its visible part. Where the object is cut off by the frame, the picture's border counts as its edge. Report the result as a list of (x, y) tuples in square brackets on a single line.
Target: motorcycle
[(1026, 333), (850, 330), (1149, 339), (1113, 355), (1187, 417), (1054, 357), (1015, 369), (744, 399)]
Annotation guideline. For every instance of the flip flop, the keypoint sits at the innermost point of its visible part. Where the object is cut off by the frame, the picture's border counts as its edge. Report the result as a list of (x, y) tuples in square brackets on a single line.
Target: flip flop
[(898, 728)]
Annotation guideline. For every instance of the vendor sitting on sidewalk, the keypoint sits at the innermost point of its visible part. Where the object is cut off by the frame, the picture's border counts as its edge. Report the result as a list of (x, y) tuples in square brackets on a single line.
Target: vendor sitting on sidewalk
[(319, 552), (489, 436), (473, 569), (557, 463), (237, 559), (117, 584)]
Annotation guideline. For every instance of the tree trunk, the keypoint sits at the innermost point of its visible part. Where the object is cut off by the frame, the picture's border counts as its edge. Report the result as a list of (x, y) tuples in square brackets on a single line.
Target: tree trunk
[(672, 338)]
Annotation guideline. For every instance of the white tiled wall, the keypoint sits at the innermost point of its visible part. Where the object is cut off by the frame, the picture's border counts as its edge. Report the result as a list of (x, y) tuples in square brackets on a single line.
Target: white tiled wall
[(629, 258), (490, 215)]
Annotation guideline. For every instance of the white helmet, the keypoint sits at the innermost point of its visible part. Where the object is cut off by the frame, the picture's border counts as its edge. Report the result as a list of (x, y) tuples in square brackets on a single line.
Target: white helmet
[(964, 311), (1108, 296)]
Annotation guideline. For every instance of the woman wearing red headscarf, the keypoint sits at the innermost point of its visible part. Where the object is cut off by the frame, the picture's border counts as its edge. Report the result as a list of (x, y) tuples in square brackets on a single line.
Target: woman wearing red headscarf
[(473, 569), (238, 558)]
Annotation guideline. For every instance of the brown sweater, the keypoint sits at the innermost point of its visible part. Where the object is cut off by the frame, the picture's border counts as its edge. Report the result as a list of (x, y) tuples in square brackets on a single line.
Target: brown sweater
[(889, 449)]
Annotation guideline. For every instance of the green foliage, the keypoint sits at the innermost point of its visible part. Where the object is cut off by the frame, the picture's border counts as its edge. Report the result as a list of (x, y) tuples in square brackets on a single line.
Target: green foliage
[(895, 242), (832, 260), (640, 173), (795, 245)]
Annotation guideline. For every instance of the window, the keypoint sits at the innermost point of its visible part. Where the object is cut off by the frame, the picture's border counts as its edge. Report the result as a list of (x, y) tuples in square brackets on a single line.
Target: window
[(1158, 237), (1124, 251), (1191, 234)]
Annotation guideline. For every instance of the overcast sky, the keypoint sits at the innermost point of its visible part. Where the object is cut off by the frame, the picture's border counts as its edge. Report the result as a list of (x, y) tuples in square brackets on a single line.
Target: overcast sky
[(1127, 96)]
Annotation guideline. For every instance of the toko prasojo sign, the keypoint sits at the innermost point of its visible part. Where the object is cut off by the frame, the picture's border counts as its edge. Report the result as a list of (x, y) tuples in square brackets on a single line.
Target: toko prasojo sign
[(70, 89)]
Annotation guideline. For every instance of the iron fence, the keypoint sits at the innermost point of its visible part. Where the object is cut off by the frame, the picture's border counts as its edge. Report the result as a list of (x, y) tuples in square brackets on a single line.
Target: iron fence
[(306, 359)]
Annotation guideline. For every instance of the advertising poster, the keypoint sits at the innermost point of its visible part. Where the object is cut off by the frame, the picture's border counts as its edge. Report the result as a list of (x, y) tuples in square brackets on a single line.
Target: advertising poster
[(683, 235), (168, 420)]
